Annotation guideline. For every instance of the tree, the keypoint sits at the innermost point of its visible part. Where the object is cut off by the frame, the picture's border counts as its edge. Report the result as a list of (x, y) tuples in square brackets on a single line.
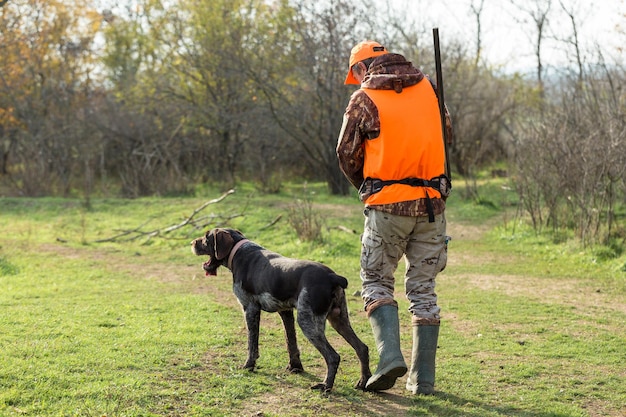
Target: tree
[(45, 79), (144, 137), (570, 157), (477, 10), (574, 40), (538, 12), (481, 103), (307, 96), (203, 54)]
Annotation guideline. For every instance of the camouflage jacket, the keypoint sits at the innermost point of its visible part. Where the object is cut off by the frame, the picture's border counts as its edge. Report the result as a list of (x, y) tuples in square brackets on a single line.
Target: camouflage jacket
[(361, 120)]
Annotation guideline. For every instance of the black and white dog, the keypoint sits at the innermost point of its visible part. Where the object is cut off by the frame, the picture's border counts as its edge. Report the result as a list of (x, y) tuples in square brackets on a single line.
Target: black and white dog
[(266, 281)]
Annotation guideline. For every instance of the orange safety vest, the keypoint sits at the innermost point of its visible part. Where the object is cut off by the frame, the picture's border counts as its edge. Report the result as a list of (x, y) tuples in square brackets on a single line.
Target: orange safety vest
[(410, 144)]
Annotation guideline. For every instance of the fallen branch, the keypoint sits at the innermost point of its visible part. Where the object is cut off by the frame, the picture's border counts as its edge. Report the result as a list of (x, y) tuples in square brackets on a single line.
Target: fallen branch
[(136, 233), (124, 233), (346, 229), (272, 223), (196, 211)]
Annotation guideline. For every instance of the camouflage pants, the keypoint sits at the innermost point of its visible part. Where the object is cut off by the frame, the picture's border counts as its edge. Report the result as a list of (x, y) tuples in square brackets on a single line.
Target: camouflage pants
[(386, 239)]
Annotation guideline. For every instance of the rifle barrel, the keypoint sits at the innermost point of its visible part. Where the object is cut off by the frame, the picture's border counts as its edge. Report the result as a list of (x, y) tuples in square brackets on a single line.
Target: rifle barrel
[(440, 94)]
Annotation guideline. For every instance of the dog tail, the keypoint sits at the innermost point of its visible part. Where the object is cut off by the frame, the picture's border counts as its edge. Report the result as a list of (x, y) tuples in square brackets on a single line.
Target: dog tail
[(341, 281)]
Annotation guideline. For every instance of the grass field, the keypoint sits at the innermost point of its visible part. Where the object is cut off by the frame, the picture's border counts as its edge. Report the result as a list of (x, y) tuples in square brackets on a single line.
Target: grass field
[(131, 326)]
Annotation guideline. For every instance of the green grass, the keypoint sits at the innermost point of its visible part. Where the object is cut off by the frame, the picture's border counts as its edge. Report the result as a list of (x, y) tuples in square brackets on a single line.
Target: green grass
[(133, 328)]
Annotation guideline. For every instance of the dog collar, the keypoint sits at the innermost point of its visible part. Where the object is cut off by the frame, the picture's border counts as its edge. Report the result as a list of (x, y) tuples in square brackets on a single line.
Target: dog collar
[(232, 252)]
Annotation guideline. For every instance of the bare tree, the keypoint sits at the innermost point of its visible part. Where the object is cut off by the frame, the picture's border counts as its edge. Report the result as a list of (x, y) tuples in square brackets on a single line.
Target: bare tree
[(477, 11), (573, 41), (570, 164), (538, 11)]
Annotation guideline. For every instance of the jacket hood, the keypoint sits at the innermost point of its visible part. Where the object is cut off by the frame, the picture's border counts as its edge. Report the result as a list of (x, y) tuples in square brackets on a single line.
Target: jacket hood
[(391, 72)]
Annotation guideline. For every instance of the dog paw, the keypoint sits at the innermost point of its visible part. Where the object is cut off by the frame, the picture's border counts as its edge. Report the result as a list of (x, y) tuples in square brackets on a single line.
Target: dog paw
[(323, 388), (295, 369), (361, 384), (248, 366)]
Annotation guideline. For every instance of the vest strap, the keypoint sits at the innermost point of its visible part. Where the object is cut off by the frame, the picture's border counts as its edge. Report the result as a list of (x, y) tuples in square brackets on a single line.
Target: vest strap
[(441, 183)]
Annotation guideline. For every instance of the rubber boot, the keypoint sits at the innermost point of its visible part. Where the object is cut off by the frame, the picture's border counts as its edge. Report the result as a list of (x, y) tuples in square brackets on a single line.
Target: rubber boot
[(386, 327), (422, 375)]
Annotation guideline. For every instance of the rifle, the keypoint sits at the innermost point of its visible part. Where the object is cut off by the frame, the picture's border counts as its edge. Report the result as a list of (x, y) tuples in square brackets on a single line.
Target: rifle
[(442, 106)]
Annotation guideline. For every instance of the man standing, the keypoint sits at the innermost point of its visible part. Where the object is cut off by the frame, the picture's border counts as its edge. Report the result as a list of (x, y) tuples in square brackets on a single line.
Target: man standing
[(391, 148)]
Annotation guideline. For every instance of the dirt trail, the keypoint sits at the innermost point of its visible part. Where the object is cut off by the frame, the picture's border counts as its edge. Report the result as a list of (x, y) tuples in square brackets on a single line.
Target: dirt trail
[(583, 294)]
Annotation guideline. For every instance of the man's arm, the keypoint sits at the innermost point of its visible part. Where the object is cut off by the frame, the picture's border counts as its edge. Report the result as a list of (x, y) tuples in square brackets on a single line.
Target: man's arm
[(360, 118)]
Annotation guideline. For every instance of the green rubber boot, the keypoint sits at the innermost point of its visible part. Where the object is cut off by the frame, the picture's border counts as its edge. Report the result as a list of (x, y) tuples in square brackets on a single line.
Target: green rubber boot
[(386, 327), (422, 375)]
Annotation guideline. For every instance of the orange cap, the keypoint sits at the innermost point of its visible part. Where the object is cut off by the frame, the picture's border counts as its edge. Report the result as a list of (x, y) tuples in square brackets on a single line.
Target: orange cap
[(360, 52)]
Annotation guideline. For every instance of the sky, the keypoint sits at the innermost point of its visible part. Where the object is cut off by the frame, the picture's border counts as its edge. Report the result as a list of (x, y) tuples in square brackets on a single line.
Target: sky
[(507, 32)]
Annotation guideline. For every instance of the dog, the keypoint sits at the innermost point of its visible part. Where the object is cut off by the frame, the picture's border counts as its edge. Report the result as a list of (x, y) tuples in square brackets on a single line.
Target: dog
[(267, 281)]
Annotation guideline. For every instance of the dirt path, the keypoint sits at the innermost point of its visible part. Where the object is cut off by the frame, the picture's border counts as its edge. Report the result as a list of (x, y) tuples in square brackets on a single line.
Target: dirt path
[(583, 294)]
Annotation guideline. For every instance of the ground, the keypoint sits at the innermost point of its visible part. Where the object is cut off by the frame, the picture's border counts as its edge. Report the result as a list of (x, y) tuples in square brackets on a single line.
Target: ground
[(397, 401)]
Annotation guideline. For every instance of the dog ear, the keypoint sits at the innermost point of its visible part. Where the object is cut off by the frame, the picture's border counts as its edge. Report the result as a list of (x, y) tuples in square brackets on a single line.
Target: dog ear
[(223, 244)]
